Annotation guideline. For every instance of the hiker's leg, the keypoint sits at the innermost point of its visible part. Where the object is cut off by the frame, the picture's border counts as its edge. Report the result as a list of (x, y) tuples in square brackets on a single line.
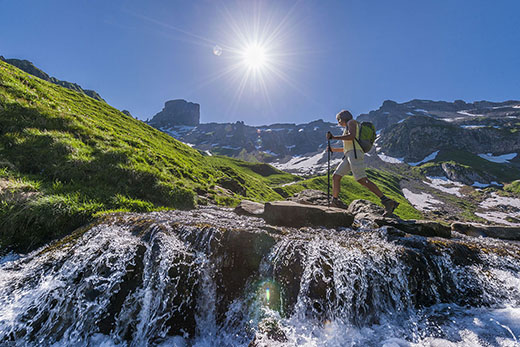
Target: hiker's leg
[(371, 186), (342, 170), (336, 181)]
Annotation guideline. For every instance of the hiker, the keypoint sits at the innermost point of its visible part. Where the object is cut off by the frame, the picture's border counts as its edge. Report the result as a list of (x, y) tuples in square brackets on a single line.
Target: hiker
[(353, 160)]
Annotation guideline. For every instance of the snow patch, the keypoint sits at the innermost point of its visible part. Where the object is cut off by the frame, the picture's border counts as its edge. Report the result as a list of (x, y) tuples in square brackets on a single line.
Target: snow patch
[(449, 120), (477, 184), (466, 113), (301, 165), (504, 158), (426, 159), (402, 120), (421, 201), (496, 201), (472, 126), (445, 185), (230, 147), (271, 153), (409, 113), (389, 159)]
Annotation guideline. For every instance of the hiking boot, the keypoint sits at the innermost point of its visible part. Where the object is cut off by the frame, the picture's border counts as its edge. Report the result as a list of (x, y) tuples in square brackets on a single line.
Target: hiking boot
[(390, 205)]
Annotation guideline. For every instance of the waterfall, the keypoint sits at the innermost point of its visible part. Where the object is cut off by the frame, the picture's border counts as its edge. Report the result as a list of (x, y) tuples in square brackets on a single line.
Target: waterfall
[(211, 278)]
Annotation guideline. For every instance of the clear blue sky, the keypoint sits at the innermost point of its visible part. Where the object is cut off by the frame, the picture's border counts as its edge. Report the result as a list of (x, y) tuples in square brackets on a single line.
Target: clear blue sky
[(323, 56)]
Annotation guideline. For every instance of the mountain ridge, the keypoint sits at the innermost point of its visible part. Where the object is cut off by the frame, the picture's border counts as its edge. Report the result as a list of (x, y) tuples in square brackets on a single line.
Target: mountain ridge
[(30, 68)]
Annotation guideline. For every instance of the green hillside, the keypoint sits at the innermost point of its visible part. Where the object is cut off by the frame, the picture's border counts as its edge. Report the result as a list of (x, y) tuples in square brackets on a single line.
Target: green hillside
[(65, 157)]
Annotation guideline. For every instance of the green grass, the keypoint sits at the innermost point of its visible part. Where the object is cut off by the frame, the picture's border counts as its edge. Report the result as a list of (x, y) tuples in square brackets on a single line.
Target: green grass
[(513, 187), (80, 157), (352, 190)]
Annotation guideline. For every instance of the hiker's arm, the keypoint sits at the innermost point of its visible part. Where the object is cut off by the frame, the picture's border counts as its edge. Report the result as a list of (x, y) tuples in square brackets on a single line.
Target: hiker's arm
[(351, 132)]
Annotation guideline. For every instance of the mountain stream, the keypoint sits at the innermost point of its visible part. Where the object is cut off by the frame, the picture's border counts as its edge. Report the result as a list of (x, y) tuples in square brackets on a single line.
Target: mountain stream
[(208, 277)]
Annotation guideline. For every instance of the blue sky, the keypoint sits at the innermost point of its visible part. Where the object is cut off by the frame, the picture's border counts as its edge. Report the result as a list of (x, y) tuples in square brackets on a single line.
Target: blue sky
[(322, 56)]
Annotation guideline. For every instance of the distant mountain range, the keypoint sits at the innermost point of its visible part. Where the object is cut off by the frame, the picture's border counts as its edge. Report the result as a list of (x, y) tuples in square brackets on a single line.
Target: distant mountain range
[(482, 135)]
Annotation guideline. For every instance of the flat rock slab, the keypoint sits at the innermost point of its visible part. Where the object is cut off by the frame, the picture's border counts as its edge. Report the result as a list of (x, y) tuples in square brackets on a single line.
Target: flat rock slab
[(249, 208), (293, 214), (494, 231)]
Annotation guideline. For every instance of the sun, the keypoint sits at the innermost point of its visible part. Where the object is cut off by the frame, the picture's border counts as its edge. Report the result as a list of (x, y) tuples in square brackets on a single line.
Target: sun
[(254, 56)]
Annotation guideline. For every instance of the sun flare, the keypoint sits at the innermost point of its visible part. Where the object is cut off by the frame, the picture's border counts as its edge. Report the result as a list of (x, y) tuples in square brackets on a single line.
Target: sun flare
[(254, 56)]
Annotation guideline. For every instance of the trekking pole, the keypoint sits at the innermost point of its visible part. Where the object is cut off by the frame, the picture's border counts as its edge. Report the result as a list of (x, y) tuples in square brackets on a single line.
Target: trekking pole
[(328, 173)]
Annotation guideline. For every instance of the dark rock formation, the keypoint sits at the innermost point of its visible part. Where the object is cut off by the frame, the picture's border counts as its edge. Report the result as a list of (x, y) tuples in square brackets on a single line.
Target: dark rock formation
[(289, 213), (177, 112), (29, 67), (497, 232)]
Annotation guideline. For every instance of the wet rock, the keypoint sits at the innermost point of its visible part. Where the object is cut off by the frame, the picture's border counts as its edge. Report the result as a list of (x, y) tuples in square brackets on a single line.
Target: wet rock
[(249, 208), (364, 209), (417, 227), (293, 214), (497, 232)]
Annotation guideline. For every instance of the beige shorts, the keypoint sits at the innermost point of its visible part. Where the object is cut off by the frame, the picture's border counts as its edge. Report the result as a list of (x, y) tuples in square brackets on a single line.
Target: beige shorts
[(350, 163)]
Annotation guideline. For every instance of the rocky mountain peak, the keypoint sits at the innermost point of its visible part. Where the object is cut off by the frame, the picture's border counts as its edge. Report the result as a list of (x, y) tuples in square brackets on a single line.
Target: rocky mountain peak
[(177, 112)]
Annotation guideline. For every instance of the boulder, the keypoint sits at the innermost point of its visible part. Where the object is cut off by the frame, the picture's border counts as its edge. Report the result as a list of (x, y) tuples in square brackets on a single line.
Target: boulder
[(310, 197), (364, 209), (249, 208), (293, 214), (497, 232)]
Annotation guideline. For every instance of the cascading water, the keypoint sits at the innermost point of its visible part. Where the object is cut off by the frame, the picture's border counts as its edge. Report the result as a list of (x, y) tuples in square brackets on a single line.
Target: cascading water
[(211, 278)]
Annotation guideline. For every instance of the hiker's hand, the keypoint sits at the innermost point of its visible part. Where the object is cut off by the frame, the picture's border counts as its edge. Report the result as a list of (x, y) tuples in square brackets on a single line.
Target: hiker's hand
[(329, 135), (329, 148)]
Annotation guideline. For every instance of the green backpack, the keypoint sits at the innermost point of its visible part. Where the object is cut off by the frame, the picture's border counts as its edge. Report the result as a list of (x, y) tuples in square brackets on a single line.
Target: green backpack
[(367, 136)]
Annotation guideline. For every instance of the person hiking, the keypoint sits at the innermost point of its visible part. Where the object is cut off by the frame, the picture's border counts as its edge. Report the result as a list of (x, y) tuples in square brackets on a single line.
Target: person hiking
[(354, 160)]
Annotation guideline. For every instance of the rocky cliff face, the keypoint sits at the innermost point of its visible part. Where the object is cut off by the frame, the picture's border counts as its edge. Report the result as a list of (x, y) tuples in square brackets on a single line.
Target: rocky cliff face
[(177, 113), (417, 136), (29, 67)]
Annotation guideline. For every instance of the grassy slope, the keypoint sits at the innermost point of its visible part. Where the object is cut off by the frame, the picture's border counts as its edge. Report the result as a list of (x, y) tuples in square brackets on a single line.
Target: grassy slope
[(65, 157)]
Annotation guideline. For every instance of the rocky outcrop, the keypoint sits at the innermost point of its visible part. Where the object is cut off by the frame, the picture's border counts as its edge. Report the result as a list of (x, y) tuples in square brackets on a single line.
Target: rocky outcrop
[(249, 208), (465, 175), (370, 215), (293, 214), (497, 232), (177, 112), (310, 197), (29, 67)]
